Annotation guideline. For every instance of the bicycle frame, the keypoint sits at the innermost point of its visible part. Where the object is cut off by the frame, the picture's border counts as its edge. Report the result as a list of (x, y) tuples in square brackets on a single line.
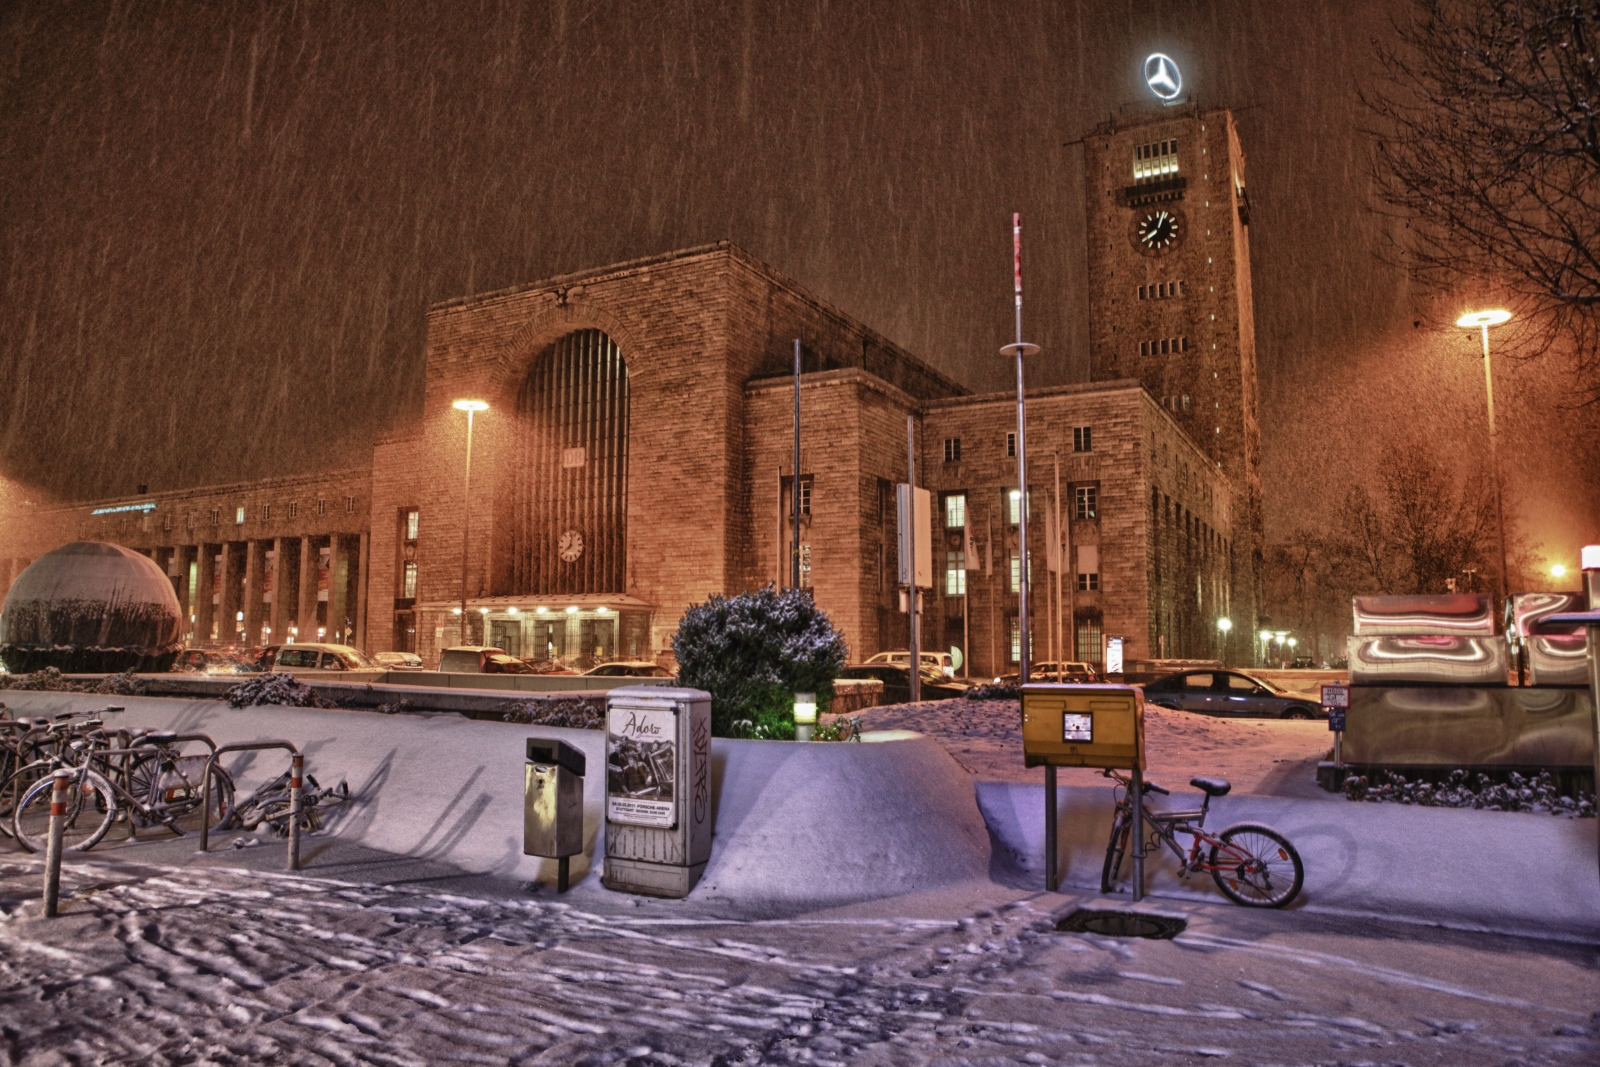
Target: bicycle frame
[(1166, 825)]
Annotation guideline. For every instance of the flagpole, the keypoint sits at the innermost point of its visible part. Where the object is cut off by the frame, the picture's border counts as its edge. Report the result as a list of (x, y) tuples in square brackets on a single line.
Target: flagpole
[(1061, 575), (1019, 349), (988, 574)]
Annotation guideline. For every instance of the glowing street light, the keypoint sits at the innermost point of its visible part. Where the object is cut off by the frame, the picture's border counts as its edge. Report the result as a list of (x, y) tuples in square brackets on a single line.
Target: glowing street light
[(1224, 625), (471, 407), (1481, 321), (1558, 571)]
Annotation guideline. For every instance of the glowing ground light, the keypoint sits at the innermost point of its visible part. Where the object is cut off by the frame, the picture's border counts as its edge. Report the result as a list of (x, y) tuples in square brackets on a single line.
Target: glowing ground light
[(1161, 75)]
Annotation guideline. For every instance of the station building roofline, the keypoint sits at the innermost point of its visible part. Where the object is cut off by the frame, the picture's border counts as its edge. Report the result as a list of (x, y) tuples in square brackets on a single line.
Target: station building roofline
[(278, 481), (731, 252)]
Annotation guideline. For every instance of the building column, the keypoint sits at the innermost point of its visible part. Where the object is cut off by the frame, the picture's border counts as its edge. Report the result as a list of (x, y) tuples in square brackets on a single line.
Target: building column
[(205, 592), (278, 613), (363, 559), (228, 610), (307, 602), (338, 580), (255, 566), (182, 557)]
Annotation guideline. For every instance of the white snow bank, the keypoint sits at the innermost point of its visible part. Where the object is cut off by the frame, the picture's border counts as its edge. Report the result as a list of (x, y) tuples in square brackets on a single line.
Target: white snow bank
[(796, 824), (1517, 873)]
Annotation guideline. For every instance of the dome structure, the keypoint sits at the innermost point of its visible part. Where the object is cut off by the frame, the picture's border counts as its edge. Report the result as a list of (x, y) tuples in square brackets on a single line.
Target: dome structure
[(91, 608)]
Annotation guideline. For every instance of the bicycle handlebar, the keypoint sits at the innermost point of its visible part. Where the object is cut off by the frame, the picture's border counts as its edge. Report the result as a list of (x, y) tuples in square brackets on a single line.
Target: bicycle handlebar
[(1151, 787)]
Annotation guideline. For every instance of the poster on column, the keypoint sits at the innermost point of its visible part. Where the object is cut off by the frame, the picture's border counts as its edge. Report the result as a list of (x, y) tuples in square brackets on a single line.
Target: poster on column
[(641, 761)]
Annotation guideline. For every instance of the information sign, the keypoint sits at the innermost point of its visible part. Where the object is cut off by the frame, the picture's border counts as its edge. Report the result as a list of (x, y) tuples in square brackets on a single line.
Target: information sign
[(1336, 696), (1336, 719)]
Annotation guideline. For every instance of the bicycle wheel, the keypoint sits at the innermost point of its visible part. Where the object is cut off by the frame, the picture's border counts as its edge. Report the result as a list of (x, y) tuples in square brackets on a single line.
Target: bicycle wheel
[(91, 807), (1257, 867), (177, 789), (15, 786), (1121, 830)]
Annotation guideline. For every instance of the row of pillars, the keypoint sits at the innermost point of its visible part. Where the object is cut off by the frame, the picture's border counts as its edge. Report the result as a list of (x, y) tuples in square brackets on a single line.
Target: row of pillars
[(295, 581)]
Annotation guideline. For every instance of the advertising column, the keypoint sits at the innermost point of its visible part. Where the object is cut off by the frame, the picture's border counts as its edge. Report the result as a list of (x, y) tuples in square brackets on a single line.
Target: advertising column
[(658, 789)]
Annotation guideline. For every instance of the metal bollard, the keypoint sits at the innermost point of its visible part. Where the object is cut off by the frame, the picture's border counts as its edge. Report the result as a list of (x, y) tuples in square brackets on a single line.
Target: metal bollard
[(52, 853), (1138, 834), (296, 798)]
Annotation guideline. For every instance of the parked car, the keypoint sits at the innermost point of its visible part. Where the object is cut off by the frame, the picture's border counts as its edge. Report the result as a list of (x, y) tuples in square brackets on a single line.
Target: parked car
[(642, 668), (896, 679), (467, 659), (1229, 693), (548, 666), (398, 661), (216, 661), (503, 663), (315, 657), (941, 662), (1071, 671)]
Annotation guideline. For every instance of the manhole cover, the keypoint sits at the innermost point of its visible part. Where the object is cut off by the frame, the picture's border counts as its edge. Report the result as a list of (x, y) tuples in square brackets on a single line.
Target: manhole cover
[(1122, 924)]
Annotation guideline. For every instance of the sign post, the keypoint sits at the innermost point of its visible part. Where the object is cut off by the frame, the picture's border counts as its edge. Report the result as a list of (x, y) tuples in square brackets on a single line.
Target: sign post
[(1336, 701)]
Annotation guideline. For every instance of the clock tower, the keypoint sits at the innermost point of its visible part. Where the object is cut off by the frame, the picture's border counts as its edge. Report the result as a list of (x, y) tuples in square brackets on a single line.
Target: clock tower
[(1169, 296)]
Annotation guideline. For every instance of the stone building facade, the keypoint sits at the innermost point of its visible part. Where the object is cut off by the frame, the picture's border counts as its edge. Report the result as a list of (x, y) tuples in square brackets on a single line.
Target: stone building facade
[(635, 457)]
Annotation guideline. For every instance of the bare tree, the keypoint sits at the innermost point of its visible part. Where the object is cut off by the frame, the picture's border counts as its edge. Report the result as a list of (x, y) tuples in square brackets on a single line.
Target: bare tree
[(1488, 147)]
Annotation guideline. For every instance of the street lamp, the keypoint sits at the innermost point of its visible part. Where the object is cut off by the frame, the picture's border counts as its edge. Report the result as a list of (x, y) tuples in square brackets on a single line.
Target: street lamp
[(1224, 624), (471, 407), (1558, 571), (1481, 321), (1266, 645)]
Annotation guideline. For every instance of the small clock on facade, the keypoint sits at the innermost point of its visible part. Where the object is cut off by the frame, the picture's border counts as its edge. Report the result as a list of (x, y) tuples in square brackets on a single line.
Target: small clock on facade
[(1156, 230), (570, 547)]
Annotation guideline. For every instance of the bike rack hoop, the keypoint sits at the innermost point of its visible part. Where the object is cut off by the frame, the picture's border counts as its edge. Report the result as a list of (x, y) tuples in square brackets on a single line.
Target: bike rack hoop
[(217, 753)]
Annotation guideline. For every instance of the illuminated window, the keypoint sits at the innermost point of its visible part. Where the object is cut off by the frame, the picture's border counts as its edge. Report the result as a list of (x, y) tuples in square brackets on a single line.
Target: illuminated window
[(1155, 161), (408, 584), (952, 450), (1086, 505), (1015, 572), (955, 574), (1083, 439), (413, 520), (1014, 642), (955, 511), (1014, 506), (238, 515)]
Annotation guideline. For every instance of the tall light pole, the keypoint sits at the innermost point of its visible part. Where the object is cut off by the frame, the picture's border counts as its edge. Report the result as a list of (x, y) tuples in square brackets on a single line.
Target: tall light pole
[(1021, 348), (471, 407), (1481, 321)]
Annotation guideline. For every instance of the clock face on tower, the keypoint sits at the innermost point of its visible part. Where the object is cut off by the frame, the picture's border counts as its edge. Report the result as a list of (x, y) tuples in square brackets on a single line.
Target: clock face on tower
[(570, 547), (1157, 229)]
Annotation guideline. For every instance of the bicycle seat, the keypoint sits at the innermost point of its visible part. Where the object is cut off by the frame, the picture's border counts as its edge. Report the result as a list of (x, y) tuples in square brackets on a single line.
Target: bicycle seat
[(159, 737), (1212, 787)]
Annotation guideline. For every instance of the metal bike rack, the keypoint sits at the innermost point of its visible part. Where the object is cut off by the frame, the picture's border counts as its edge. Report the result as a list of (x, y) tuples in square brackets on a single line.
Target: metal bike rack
[(297, 765), (144, 747)]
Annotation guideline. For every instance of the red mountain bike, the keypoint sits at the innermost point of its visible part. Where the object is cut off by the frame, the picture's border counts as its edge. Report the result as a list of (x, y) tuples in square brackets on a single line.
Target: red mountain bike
[(1253, 865)]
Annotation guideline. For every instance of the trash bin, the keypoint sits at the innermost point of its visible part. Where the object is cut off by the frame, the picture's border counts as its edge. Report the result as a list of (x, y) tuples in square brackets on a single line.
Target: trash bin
[(658, 789), (552, 803)]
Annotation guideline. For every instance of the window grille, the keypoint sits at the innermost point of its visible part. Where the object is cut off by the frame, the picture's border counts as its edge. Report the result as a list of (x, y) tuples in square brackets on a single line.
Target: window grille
[(952, 450), (1086, 505)]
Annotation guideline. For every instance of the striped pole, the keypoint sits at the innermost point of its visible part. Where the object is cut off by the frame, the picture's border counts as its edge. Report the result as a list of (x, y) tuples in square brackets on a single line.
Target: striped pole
[(52, 852), (296, 798)]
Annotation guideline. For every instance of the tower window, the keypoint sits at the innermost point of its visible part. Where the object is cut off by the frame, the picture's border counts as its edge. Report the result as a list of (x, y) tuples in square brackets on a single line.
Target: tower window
[(1011, 444), (238, 515), (1163, 290), (1165, 346), (408, 581), (1083, 439), (266, 512), (322, 507), (216, 516), (952, 450), (413, 523), (1155, 161), (1175, 403), (1086, 502), (350, 504), (294, 508), (955, 511)]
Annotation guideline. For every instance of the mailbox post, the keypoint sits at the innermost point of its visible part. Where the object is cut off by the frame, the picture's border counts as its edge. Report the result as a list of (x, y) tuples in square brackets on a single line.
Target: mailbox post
[(1099, 726), (658, 790), (552, 803)]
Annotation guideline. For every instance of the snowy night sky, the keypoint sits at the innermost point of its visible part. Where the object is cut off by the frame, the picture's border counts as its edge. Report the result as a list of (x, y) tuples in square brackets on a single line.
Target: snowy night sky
[(221, 224)]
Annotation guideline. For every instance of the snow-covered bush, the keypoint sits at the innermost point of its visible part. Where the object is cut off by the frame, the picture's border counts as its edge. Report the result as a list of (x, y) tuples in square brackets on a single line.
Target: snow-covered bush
[(572, 713), (753, 652), (994, 691), (1458, 789), (280, 689)]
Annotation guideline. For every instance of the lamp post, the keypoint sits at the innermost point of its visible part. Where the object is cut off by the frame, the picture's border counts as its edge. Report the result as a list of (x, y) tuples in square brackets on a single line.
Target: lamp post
[(1019, 349), (471, 407), (1481, 321), (1224, 625), (1266, 646)]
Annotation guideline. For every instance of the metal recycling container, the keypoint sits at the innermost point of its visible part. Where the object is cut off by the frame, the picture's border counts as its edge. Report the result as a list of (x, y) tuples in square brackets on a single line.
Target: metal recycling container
[(658, 789), (552, 799), (1552, 655), (1434, 614), (1427, 659), (1083, 725)]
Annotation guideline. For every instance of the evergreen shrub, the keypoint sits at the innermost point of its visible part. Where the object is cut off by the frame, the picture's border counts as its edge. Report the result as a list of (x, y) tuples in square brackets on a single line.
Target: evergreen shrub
[(753, 652)]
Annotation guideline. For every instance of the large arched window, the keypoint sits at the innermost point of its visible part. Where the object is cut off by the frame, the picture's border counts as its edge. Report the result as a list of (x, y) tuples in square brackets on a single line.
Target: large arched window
[(570, 472)]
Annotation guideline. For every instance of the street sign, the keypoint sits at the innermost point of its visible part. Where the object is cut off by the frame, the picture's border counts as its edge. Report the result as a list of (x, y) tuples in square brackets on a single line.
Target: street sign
[(1336, 696), (1336, 719)]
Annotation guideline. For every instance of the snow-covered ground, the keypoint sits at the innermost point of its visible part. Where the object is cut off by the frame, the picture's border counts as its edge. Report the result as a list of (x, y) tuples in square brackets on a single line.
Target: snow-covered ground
[(1257, 755), (207, 965)]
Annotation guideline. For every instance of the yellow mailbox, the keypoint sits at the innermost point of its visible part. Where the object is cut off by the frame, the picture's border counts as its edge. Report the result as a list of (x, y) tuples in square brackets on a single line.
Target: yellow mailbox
[(1083, 726)]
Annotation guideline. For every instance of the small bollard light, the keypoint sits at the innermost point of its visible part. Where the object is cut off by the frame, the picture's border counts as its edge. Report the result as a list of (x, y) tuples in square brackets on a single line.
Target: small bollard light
[(296, 800), (805, 716), (52, 853)]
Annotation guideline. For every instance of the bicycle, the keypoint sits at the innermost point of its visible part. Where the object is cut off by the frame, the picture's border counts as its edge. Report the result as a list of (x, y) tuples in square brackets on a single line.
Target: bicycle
[(1253, 865), (159, 786), (27, 746), (269, 806)]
